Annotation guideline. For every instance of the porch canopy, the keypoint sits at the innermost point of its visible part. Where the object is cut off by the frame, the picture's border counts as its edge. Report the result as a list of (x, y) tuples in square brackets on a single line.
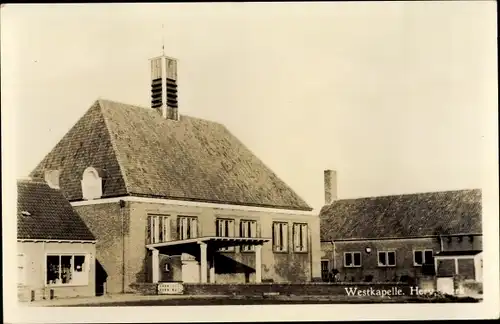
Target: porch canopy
[(212, 243)]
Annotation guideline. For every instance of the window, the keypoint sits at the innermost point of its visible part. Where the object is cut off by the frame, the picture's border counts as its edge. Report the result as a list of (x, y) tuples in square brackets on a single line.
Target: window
[(386, 258), (187, 227), (280, 237), (421, 257), (225, 228), (299, 237), (352, 259), (158, 229), (21, 274), (248, 228), (324, 270), (91, 184), (66, 269)]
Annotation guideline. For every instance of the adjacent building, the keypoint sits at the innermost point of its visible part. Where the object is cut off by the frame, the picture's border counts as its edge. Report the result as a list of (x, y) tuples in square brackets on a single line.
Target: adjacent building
[(174, 198), (401, 237), (55, 249)]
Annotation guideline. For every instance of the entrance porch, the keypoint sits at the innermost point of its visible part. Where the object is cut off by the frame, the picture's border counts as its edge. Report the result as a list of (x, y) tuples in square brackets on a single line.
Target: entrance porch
[(456, 268), (198, 256)]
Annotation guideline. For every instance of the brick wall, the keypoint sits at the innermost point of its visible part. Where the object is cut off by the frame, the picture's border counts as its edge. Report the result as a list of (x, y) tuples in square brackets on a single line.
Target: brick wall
[(278, 267), (115, 236), (334, 253), (105, 222), (462, 243)]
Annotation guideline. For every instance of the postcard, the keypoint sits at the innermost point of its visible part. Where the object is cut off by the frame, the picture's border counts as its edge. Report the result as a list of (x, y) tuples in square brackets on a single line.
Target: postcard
[(250, 161)]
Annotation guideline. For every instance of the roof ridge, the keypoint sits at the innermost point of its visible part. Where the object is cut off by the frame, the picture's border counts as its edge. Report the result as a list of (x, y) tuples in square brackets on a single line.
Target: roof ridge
[(149, 108), (113, 144), (408, 194)]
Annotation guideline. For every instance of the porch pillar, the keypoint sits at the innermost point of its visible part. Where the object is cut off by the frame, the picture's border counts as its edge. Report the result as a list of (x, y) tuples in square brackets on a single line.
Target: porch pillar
[(258, 263), (155, 258), (212, 268), (203, 262)]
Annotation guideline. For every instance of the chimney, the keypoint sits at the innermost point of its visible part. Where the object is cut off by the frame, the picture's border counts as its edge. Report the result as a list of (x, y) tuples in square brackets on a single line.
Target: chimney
[(330, 186), (164, 86), (52, 178)]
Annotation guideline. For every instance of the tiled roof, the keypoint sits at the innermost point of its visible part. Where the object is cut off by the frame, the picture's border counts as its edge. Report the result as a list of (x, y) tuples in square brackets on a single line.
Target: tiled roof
[(44, 213), (143, 154), (410, 215)]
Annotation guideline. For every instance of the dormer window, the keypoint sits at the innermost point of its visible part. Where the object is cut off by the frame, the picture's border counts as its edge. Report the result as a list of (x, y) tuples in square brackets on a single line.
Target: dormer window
[(91, 184)]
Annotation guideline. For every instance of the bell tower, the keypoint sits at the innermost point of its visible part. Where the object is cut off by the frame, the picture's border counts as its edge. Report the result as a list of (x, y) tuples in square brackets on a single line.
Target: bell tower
[(164, 86)]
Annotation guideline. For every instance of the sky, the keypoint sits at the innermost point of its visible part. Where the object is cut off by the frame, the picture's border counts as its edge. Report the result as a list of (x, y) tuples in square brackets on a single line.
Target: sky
[(397, 97)]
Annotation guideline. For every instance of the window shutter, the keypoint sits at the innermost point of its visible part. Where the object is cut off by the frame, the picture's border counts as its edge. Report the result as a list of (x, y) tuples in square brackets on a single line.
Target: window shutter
[(285, 237), (168, 231), (274, 234), (195, 227), (160, 229), (179, 230), (184, 228), (148, 231)]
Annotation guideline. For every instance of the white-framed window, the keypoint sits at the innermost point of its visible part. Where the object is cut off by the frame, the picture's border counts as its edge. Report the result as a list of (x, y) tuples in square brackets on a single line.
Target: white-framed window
[(248, 228), (280, 237), (352, 259), (187, 227), (299, 237), (421, 257), (21, 269), (386, 258), (158, 229), (225, 227), (91, 184), (67, 269)]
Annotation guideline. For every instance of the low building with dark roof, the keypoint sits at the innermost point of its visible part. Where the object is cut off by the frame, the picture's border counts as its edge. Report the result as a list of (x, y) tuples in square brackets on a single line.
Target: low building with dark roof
[(177, 198), (56, 250), (399, 237)]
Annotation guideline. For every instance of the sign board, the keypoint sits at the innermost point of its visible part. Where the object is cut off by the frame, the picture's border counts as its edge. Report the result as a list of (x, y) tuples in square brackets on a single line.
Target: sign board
[(170, 288)]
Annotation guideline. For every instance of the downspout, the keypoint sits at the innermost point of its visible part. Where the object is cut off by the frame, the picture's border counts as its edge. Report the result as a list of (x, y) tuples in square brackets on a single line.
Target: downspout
[(122, 219)]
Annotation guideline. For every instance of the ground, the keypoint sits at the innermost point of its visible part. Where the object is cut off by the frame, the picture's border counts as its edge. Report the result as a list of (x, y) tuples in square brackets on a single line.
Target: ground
[(136, 300)]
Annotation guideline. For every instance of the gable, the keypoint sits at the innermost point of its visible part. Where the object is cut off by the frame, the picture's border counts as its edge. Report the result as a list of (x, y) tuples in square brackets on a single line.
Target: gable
[(147, 155), (86, 144)]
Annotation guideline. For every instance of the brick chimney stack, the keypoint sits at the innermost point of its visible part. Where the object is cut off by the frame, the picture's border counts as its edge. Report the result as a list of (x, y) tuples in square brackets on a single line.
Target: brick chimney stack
[(330, 178)]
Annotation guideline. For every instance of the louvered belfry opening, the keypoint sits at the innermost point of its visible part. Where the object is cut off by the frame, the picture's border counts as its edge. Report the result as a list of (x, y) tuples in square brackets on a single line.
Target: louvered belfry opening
[(156, 93), (164, 97), (172, 103)]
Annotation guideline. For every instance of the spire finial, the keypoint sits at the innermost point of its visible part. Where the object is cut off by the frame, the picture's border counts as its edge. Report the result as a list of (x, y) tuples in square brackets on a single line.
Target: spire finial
[(162, 40)]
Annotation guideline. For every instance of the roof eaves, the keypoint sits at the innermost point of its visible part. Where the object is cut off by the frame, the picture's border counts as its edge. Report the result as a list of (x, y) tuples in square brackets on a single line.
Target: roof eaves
[(222, 202)]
